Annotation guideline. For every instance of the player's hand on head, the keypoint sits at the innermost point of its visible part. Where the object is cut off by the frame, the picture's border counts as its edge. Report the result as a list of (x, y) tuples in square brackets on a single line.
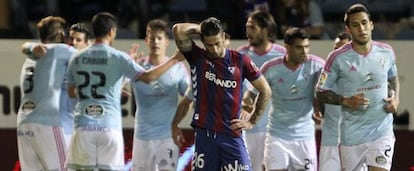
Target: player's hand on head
[(244, 115)]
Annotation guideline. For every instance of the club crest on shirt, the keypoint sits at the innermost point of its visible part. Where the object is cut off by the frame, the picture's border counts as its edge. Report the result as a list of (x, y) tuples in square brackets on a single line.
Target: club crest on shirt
[(381, 61), (231, 69), (381, 160), (322, 79)]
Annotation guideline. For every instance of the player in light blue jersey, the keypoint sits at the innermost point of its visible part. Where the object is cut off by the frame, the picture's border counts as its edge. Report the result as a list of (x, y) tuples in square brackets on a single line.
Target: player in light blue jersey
[(95, 77), (290, 141), (40, 135), (156, 103), (260, 32), (363, 70), (329, 159)]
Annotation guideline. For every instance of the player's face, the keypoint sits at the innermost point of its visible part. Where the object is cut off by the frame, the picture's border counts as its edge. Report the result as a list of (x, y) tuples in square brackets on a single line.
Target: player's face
[(360, 27), (339, 43), (77, 40), (157, 42), (255, 35), (298, 51), (215, 45)]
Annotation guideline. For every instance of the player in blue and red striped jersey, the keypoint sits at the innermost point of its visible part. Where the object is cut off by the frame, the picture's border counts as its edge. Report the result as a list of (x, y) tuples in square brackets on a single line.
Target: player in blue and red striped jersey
[(217, 75)]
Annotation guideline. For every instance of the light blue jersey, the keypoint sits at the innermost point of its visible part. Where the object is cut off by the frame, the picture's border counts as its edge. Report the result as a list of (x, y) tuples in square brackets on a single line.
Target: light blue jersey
[(362, 73), (97, 73), (292, 98), (259, 60), (157, 101), (41, 82), (330, 125)]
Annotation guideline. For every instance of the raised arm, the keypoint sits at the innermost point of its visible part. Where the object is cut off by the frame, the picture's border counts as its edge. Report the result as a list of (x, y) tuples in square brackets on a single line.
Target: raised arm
[(182, 34), (37, 49)]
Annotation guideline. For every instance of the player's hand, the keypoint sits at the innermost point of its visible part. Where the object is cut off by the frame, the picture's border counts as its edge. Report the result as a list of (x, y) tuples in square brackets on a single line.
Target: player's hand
[(177, 135), (133, 52), (317, 117), (244, 115), (240, 124), (392, 103), (39, 50), (356, 102)]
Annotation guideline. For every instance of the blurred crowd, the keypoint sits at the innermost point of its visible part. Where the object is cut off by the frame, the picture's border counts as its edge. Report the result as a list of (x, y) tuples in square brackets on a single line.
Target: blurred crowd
[(321, 18)]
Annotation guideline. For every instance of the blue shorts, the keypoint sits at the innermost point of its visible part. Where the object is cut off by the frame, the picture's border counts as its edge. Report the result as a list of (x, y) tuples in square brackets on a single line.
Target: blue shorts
[(218, 151)]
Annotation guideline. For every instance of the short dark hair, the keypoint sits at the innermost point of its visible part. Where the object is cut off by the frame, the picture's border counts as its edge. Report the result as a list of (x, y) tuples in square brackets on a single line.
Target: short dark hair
[(82, 28), (50, 28), (210, 27), (265, 21), (343, 36), (355, 9), (102, 23), (158, 24), (295, 33)]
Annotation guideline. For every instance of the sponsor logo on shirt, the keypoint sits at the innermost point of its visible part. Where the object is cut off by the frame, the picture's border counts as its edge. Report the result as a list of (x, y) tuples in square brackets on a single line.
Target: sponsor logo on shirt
[(220, 82), (94, 110), (236, 166)]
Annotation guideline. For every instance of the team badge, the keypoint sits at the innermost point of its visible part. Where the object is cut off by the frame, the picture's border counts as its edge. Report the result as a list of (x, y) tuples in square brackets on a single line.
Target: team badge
[(381, 160), (322, 79), (231, 69)]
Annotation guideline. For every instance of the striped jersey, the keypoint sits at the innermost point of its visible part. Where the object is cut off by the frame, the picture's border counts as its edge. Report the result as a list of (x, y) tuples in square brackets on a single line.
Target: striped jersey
[(217, 87)]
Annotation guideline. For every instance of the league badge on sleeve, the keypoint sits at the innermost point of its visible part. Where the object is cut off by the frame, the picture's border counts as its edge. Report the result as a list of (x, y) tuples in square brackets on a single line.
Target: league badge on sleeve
[(322, 79)]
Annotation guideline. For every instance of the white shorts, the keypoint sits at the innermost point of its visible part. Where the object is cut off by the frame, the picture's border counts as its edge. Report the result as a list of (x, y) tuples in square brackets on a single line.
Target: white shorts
[(255, 148), (377, 153), (154, 155), (329, 158), (93, 148), (292, 155), (41, 147)]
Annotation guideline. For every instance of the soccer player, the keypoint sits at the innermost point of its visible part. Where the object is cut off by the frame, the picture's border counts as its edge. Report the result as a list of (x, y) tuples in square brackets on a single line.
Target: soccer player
[(329, 152), (79, 36), (40, 136), (217, 75), (261, 33), (290, 142), (362, 70), (95, 77), (156, 102)]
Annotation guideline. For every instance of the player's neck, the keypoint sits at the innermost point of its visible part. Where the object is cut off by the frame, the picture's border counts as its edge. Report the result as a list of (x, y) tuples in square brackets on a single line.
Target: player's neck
[(156, 59), (362, 48), (262, 48)]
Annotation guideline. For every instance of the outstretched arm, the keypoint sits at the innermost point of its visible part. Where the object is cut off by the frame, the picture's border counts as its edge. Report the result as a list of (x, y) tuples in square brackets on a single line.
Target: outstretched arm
[(37, 49), (156, 72)]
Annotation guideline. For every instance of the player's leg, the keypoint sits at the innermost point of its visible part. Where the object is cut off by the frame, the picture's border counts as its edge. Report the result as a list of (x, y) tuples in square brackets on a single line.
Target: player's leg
[(166, 155), (276, 157), (255, 146), (380, 153), (110, 149), (141, 154), (329, 158)]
